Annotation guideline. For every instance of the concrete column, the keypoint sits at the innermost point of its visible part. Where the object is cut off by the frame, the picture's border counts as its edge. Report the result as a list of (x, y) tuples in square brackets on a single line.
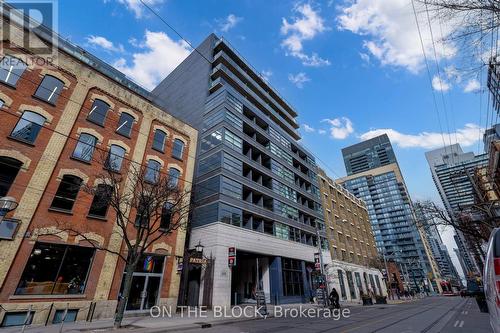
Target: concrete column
[(276, 280)]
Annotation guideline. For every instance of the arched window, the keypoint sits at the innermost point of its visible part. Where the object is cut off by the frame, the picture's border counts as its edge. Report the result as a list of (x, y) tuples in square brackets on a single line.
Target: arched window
[(159, 140), (98, 112), (178, 149), (152, 171), (28, 127), (66, 193), (100, 203), (11, 69), (49, 89), (173, 177), (9, 168), (125, 124), (115, 158), (166, 215), (84, 149)]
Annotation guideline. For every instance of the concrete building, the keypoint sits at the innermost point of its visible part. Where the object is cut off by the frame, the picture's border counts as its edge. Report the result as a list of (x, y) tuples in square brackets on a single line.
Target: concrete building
[(256, 187), (373, 175), (451, 171), (56, 117), (352, 245)]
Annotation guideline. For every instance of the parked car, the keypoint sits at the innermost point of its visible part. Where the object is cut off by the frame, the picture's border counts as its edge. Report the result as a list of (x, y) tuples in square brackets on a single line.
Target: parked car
[(492, 279)]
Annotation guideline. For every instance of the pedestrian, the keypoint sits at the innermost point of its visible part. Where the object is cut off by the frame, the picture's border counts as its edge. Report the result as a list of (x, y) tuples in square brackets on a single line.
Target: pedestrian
[(334, 299)]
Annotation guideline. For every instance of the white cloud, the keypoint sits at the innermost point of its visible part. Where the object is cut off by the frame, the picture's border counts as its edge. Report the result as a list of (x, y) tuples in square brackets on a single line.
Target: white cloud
[(365, 57), (340, 128), (390, 33), (304, 27), (466, 136), (229, 22), (321, 131), (266, 74), (138, 8), (298, 79), (472, 85), (439, 84), (104, 43), (308, 128), (159, 55)]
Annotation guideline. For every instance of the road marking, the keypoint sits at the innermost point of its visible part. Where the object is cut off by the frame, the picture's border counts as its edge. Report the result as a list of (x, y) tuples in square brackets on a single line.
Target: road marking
[(456, 324), (461, 324)]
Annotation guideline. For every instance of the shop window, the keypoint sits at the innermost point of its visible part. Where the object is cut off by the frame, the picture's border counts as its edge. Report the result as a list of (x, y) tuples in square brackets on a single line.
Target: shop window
[(178, 149), (173, 177), (293, 284), (125, 124), (66, 193), (98, 112), (166, 215), (9, 168), (56, 269), (100, 203), (49, 89), (11, 69), (28, 127), (85, 147), (115, 158), (65, 316), (159, 140), (152, 171), (17, 318)]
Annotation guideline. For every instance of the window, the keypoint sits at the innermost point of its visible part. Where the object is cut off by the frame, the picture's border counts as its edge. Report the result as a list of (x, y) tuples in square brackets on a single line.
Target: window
[(98, 112), (8, 228), (50, 89), (2, 102), (152, 171), (211, 141), (66, 193), (17, 318), (143, 215), (115, 158), (60, 316), (85, 147), (11, 70), (282, 231), (292, 277), (100, 203), (55, 269), (233, 164), (342, 284), (166, 215), (125, 124), (178, 149), (232, 140), (28, 127), (210, 163), (231, 188), (9, 168), (230, 215), (173, 177), (159, 140)]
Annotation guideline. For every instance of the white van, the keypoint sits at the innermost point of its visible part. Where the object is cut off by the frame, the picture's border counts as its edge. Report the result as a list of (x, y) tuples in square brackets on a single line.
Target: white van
[(492, 279)]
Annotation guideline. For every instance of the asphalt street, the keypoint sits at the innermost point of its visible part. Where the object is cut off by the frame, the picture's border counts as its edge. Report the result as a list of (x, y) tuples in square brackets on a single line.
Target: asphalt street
[(431, 314)]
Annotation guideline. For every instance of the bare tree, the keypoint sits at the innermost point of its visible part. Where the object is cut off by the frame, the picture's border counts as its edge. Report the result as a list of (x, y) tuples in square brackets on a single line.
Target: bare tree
[(147, 205)]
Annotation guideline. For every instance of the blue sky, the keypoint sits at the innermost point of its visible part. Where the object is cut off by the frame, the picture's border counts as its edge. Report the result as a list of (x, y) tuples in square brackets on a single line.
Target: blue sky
[(352, 69)]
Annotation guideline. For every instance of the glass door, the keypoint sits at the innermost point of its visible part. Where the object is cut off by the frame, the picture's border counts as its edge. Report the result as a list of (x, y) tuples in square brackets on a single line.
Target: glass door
[(152, 291), (136, 293)]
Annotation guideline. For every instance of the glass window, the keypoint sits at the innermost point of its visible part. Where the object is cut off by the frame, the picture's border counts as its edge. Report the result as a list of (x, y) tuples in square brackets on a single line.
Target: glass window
[(98, 112), (159, 139), (282, 231), (173, 177), (69, 317), (115, 157), (11, 69), (231, 188), (55, 269), (49, 89), (125, 124), (211, 141), (8, 228), (233, 140), (342, 284), (84, 149), (292, 277), (178, 149), (100, 203), (210, 163), (2, 102), (28, 127), (233, 164), (229, 214), (143, 215), (166, 215), (9, 168), (152, 171), (17, 318), (66, 193)]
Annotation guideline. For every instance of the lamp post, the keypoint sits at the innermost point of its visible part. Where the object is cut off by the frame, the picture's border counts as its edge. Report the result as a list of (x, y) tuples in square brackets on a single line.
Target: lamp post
[(7, 204), (185, 267)]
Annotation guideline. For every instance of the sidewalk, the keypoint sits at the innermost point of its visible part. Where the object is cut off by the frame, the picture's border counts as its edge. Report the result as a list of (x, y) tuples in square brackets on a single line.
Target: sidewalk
[(178, 321)]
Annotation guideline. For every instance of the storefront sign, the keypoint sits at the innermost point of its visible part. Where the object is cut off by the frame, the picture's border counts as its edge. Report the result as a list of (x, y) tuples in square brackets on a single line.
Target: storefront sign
[(198, 261)]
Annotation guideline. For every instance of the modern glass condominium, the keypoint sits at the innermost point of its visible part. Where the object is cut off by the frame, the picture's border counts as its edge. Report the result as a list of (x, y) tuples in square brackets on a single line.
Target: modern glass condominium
[(256, 188), (374, 176)]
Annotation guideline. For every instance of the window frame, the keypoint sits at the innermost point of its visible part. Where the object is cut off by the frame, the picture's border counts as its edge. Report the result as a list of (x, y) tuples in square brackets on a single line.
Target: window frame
[(92, 111), (175, 149), (150, 169), (105, 192), (107, 164), (120, 125), (176, 184), (12, 85), (80, 142), (59, 195), (53, 93), (40, 126), (163, 144)]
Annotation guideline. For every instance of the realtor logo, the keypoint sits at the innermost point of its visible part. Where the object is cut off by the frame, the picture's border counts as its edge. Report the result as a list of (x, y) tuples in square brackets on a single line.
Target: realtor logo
[(26, 18)]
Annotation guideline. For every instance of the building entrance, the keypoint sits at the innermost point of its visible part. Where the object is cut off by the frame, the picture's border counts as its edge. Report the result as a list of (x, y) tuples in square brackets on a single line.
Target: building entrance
[(244, 281)]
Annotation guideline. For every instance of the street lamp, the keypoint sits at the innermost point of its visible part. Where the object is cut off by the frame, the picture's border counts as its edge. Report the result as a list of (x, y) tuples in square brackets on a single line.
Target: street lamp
[(199, 247), (7, 204)]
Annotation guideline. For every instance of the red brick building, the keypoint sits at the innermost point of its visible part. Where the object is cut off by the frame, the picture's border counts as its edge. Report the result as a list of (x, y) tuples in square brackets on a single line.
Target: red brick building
[(55, 121)]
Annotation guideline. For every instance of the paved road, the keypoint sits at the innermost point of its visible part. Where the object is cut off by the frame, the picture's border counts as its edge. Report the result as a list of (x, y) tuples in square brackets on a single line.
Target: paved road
[(430, 315)]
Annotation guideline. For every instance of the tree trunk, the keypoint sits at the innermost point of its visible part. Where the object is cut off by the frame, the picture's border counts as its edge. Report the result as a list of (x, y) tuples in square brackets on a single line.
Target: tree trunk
[(122, 301)]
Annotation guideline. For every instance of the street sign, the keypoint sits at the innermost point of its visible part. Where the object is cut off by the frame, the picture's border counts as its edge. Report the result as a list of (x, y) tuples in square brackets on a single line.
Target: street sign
[(231, 257)]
